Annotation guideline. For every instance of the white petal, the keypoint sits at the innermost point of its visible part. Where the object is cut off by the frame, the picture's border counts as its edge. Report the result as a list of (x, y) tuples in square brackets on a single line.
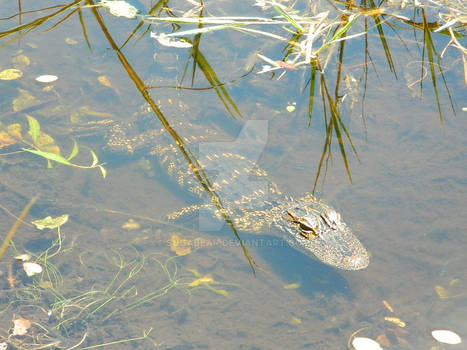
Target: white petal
[(46, 78), (267, 68), (446, 336), (361, 343), (32, 268)]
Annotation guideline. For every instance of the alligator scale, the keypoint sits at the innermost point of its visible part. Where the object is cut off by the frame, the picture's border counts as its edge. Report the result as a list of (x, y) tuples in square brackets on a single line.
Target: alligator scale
[(246, 196)]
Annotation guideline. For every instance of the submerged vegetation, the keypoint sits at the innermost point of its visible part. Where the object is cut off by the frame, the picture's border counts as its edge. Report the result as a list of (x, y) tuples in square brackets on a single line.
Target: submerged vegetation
[(65, 311), (61, 314), (43, 145)]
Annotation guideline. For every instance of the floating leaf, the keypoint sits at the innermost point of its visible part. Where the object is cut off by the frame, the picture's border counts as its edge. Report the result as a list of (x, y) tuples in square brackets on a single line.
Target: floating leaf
[(46, 78), (10, 74), (49, 222), (31, 268), (21, 326), (292, 286), (446, 336)]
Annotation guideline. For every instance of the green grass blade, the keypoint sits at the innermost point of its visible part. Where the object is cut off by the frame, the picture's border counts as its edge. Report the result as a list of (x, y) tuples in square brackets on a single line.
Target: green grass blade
[(311, 94), (212, 78), (334, 117), (289, 19), (338, 34), (15, 226), (83, 29)]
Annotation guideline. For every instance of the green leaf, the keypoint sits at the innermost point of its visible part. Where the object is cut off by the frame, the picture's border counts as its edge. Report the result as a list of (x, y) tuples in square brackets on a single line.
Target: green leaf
[(34, 128), (284, 14), (50, 156), (103, 171), (95, 160), (339, 33), (74, 151)]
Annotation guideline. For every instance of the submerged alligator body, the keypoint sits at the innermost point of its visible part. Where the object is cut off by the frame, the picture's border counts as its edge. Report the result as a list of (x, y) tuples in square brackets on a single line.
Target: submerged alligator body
[(246, 196)]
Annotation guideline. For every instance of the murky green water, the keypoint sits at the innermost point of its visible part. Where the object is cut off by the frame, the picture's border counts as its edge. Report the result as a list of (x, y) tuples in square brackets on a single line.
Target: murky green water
[(405, 201)]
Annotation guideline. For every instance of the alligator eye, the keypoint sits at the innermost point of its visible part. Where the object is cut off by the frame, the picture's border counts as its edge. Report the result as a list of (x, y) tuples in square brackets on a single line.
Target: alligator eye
[(307, 231), (331, 218)]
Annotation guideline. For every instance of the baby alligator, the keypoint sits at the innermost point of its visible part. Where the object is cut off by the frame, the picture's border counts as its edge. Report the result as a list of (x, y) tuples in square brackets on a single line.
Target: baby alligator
[(247, 197)]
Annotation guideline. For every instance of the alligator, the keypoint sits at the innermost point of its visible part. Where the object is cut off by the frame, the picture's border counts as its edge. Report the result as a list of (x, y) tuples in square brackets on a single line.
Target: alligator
[(246, 196)]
